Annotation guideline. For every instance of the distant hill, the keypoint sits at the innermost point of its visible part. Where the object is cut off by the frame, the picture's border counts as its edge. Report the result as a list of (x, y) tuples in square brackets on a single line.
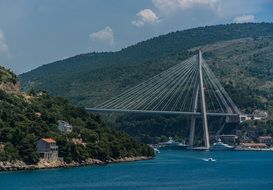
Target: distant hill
[(92, 78)]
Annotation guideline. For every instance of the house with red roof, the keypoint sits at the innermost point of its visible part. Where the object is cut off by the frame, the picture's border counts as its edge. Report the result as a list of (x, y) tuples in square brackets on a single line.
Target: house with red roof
[(265, 139), (47, 149)]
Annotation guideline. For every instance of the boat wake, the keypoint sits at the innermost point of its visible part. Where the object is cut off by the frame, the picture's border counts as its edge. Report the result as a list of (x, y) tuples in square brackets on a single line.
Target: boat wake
[(209, 160)]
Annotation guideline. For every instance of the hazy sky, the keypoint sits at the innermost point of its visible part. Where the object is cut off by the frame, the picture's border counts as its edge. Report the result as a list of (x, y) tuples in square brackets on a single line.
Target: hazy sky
[(36, 32)]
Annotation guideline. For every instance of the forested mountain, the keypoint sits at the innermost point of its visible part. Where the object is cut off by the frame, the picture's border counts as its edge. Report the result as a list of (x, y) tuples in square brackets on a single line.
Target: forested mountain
[(91, 78), (244, 67), (27, 117), (240, 55)]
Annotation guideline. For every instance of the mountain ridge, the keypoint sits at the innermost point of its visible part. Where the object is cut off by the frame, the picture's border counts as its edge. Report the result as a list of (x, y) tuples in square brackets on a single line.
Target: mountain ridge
[(89, 79)]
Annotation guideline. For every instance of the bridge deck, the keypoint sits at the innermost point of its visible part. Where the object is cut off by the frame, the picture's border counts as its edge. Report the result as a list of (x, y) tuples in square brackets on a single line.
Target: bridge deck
[(159, 112)]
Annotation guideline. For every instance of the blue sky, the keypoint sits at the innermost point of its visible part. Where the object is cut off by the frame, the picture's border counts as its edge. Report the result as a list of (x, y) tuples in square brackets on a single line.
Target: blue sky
[(37, 32)]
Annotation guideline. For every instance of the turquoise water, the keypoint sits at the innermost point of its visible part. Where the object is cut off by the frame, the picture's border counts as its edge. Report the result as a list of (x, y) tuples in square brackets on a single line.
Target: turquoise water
[(170, 170)]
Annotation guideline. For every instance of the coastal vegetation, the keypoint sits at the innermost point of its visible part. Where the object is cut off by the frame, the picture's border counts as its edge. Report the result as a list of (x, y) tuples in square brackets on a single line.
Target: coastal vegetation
[(6, 76), (27, 117)]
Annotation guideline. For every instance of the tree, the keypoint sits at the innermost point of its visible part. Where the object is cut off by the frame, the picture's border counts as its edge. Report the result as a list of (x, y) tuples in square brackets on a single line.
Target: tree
[(27, 150)]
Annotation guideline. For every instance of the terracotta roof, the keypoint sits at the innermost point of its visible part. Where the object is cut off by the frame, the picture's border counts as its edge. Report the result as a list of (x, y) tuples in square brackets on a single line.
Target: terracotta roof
[(49, 140)]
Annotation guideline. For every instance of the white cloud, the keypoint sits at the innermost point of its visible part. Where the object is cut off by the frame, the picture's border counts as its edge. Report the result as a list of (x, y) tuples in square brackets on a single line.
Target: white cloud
[(244, 18), (168, 6), (4, 49), (146, 16), (105, 35)]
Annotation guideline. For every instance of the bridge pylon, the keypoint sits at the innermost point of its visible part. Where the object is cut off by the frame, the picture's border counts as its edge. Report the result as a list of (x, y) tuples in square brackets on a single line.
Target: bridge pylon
[(178, 90), (199, 92)]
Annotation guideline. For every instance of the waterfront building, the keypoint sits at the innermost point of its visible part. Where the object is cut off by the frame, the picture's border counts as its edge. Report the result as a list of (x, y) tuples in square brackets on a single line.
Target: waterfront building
[(247, 117), (64, 127), (265, 139), (229, 139), (47, 149), (253, 145)]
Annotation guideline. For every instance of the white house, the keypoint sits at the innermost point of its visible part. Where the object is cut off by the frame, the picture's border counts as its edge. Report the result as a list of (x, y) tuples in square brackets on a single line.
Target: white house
[(64, 127)]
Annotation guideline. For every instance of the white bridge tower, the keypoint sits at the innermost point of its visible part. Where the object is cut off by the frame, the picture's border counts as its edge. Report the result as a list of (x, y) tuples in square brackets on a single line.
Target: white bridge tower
[(199, 92)]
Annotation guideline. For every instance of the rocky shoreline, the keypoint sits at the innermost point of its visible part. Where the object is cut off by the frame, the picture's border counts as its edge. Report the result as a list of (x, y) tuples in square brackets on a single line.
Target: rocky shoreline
[(43, 164)]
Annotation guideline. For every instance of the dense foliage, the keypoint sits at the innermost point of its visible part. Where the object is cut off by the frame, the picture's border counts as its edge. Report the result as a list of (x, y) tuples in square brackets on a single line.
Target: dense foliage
[(154, 128), (91, 78), (7, 76), (240, 55), (244, 67), (21, 127)]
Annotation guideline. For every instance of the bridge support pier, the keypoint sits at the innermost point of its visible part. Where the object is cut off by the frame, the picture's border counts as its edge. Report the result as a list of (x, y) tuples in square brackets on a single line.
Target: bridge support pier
[(194, 109), (199, 88)]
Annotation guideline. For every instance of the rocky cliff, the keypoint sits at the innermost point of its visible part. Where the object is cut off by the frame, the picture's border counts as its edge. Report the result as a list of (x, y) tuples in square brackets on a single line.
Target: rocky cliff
[(8, 81)]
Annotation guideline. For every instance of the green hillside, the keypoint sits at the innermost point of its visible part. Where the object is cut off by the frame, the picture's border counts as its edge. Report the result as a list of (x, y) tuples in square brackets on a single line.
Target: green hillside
[(89, 79), (240, 55), (27, 117), (244, 66)]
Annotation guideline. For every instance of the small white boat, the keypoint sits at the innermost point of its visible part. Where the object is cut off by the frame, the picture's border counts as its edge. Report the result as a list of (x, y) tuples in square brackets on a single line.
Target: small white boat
[(172, 144), (221, 146)]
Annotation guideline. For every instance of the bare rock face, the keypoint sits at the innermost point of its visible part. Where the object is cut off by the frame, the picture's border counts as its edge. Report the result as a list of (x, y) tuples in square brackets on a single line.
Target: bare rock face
[(10, 87), (8, 81)]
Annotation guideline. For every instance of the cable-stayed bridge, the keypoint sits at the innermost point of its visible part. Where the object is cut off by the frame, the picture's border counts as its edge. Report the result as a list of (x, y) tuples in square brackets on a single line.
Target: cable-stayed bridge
[(188, 88)]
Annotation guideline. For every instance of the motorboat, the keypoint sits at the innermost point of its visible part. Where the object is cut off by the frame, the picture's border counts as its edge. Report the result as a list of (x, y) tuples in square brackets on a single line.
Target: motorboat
[(221, 146), (172, 144)]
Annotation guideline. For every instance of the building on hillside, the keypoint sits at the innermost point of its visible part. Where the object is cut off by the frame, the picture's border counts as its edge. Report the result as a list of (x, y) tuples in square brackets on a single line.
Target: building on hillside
[(253, 145), (64, 127), (265, 139), (47, 149), (229, 139), (247, 117)]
